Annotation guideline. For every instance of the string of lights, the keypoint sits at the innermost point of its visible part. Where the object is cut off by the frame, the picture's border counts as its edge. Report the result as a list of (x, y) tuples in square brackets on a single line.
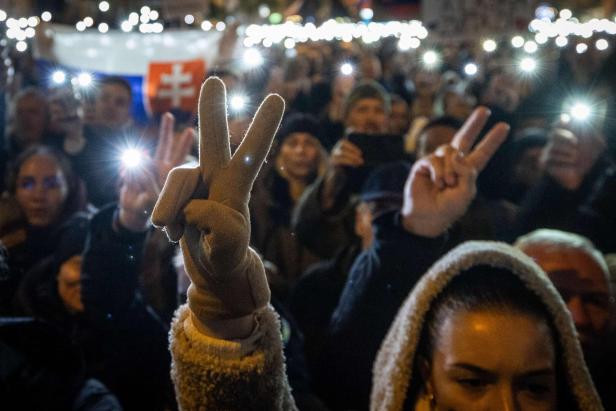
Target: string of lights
[(550, 25), (562, 28)]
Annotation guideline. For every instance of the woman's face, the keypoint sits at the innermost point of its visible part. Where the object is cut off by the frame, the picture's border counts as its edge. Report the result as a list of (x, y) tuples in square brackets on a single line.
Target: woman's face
[(299, 156), (41, 190), (493, 361)]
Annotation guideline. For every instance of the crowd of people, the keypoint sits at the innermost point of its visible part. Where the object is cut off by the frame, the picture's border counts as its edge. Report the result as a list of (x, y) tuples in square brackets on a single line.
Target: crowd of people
[(377, 228)]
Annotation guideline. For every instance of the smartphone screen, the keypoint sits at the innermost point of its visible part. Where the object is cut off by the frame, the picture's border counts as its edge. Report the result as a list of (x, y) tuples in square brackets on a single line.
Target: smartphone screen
[(377, 149)]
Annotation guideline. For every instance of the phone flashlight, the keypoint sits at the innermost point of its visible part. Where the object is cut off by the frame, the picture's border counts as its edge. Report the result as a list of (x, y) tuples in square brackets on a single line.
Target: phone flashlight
[(84, 80), (252, 58), (346, 69), (431, 58), (132, 158), (580, 111), (238, 103), (528, 64), (58, 77)]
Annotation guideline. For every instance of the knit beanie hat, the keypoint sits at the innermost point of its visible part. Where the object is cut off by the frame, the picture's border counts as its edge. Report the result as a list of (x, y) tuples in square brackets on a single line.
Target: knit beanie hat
[(298, 123), (367, 89), (392, 371)]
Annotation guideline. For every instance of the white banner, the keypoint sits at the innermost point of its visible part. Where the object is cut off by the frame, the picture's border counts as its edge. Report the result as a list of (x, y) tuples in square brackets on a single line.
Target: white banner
[(122, 53)]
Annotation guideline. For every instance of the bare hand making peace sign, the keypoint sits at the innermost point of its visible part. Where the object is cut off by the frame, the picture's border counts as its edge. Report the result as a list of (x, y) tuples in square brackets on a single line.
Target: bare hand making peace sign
[(442, 185), (141, 186)]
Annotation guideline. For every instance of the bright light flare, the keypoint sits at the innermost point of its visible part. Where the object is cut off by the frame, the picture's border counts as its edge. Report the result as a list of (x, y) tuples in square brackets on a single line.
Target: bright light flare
[(517, 42), (58, 77), (103, 6), (366, 14), (252, 58), (430, 58), (528, 64), (602, 44), (530, 47), (581, 48), (84, 79), (347, 69), (566, 14), (489, 45), (471, 69), (132, 158), (238, 103), (561, 41), (21, 46), (580, 111)]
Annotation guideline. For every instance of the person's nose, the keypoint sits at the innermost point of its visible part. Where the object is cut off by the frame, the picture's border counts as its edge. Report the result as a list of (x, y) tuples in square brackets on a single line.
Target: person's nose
[(373, 115), (506, 400), (39, 192), (578, 312)]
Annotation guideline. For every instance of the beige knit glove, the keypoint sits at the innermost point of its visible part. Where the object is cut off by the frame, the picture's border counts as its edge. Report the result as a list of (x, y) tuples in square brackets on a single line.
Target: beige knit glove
[(206, 208)]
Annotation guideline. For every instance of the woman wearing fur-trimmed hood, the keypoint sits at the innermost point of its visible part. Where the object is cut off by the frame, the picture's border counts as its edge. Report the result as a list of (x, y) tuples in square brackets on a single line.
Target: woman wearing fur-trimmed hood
[(479, 277)]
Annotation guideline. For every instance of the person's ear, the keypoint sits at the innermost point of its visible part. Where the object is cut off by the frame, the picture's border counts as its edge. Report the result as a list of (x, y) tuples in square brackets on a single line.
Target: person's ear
[(428, 389), (279, 164)]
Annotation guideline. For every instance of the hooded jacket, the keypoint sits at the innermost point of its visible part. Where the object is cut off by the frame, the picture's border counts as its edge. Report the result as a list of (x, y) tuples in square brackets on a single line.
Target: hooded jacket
[(392, 372)]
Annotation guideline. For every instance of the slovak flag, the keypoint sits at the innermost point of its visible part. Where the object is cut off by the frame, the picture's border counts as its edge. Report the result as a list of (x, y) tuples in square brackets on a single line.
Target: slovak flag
[(172, 86), (165, 70)]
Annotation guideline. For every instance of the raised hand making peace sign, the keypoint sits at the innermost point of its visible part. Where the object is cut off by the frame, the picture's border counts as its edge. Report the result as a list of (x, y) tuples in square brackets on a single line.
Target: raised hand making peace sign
[(442, 185), (206, 208), (141, 185)]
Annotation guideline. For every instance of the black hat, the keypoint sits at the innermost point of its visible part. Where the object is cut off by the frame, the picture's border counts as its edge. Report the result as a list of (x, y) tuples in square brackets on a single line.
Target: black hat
[(386, 182), (298, 123)]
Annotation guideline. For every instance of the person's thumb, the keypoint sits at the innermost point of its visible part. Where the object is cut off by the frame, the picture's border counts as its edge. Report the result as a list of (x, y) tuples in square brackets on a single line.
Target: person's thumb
[(227, 231)]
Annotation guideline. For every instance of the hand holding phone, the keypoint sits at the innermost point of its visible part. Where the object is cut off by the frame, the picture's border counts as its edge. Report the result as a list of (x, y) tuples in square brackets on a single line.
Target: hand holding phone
[(360, 153), (378, 149), (346, 154)]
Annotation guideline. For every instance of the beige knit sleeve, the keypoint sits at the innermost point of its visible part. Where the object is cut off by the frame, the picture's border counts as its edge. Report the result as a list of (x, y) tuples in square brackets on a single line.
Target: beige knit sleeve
[(213, 374)]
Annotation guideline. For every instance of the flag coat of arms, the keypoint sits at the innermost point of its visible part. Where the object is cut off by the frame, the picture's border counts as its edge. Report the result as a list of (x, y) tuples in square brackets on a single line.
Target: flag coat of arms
[(171, 86), (165, 71)]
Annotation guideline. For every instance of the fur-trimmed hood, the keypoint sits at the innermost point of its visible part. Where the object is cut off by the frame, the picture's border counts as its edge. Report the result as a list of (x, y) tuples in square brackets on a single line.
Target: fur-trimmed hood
[(392, 373)]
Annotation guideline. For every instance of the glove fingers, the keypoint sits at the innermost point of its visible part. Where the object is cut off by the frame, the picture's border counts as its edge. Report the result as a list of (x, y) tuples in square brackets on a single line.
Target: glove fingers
[(214, 148), (179, 187), (227, 229), (236, 297), (174, 231), (251, 153)]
